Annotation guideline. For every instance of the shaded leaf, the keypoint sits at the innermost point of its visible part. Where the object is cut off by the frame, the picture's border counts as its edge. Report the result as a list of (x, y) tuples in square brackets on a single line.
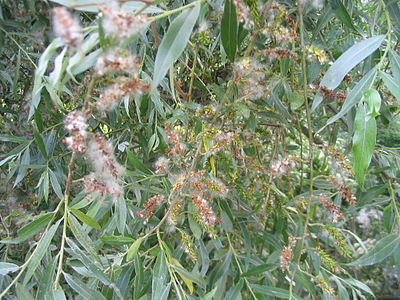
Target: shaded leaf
[(160, 288), (391, 84), (229, 30), (83, 290)]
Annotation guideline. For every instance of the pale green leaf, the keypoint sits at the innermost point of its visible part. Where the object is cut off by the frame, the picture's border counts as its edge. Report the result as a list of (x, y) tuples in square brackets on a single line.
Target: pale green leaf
[(347, 61), (6, 268), (81, 289), (40, 251), (174, 42), (391, 84), (382, 249), (354, 96)]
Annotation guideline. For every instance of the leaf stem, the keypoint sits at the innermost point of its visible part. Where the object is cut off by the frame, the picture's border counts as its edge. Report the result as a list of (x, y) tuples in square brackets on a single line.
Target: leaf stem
[(310, 139), (65, 219), (173, 11)]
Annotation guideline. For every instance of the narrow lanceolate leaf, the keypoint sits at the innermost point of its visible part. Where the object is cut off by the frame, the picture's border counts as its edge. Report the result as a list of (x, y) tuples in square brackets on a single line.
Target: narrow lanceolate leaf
[(354, 96), (174, 42), (392, 85), (347, 61), (342, 14), (134, 248), (40, 251), (86, 219), (395, 64), (159, 287), (229, 29), (39, 73), (117, 240), (25, 160), (6, 268), (364, 140), (84, 291), (30, 229), (272, 291), (384, 248)]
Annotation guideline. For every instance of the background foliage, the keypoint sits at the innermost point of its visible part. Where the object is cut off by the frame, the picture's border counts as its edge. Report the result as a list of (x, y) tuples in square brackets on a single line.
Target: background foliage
[(259, 143)]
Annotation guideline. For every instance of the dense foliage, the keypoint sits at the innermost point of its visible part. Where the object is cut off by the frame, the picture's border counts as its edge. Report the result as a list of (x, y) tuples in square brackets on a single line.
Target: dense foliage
[(227, 149)]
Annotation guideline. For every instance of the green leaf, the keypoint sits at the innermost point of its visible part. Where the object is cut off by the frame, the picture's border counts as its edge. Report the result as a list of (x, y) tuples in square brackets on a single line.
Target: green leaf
[(229, 30), (6, 268), (55, 75), (196, 278), (391, 84), (91, 264), (209, 295), (117, 240), (364, 140), (139, 277), (258, 270), (80, 234), (56, 185), (133, 249), (40, 251), (160, 288), (184, 274), (47, 280), (57, 294), (383, 248), (40, 144), (13, 139), (354, 96), (135, 161), (86, 219), (374, 101), (394, 59), (347, 61), (25, 160), (323, 20), (342, 293), (123, 282), (193, 225), (272, 291), (394, 11), (174, 42), (360, 285), (23, 293), (39, 121), (84, 291), (30, 229), (342, 14), (45, 184), (39, 74), (234, 292)]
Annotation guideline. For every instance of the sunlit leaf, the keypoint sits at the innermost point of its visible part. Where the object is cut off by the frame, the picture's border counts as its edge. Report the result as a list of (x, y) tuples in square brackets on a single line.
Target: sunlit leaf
[(174, 42)]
